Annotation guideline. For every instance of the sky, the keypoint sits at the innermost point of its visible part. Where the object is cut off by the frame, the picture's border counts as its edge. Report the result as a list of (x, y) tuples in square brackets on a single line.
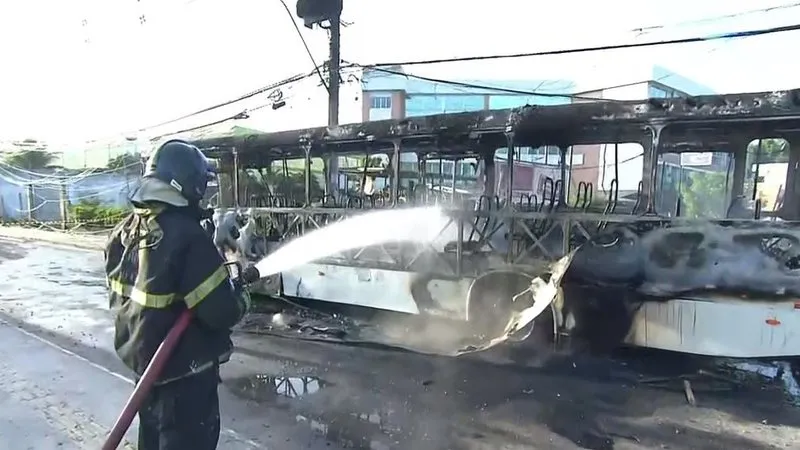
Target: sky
[(91, 70)]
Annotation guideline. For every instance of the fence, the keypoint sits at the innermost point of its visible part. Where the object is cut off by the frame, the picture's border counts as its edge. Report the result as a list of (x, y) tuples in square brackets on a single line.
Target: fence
[(89, 198)]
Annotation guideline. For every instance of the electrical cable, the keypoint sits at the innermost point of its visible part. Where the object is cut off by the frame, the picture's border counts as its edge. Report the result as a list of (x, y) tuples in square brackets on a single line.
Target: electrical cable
[(95, 193), (41, 175), (495, 88), (16, 179), (241, 115), (61, 177), (600, 48), (648, 29), (261, 90), (271, 87), (469, 85), (514, 91), (305, 44), (7, 174), (238, 116), (299, 77)]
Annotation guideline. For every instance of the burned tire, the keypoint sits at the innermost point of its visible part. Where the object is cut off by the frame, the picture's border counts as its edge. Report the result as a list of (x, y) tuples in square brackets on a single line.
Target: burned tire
[(490, 305)]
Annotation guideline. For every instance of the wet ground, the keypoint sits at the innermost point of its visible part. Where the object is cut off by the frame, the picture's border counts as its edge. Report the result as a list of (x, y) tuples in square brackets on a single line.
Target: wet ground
[(284, 393)]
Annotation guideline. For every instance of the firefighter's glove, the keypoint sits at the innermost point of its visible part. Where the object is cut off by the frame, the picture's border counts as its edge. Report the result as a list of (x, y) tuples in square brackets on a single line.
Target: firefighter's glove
[(208, 227), (226, 233)]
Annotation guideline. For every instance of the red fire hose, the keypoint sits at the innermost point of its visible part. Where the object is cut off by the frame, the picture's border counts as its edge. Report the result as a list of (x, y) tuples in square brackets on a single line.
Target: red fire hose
[(150, 375)]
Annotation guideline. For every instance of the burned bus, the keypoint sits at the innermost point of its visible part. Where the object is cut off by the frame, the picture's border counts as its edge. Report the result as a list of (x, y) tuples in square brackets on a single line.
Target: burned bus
[(682, 214)]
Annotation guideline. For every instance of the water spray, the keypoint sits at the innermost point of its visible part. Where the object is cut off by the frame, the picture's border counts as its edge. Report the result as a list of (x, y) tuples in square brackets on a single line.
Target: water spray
[(422, 225)]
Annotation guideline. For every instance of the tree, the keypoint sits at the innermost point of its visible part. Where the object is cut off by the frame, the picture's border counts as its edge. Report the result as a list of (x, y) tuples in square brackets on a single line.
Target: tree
[(30, 159), (772, 151), (703, 194), (127, 162), (373, 161), (290, 186)]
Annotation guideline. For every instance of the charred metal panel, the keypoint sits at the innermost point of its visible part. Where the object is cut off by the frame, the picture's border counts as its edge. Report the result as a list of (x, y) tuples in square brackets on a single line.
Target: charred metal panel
[(759, 259), (573, 124)]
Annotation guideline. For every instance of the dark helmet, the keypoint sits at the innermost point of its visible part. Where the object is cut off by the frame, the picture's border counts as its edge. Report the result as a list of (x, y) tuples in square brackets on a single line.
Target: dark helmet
[(182, 166)]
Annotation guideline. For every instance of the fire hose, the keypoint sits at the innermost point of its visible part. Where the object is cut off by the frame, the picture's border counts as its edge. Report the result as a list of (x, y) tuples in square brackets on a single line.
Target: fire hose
[(160, 358)]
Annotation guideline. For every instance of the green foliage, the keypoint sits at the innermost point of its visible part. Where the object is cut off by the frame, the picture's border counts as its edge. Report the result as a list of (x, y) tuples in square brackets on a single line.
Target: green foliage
[(291, 185), (373, 161), (30, 159), (772, 151), (94, 212), (703, 194), (128, 162)]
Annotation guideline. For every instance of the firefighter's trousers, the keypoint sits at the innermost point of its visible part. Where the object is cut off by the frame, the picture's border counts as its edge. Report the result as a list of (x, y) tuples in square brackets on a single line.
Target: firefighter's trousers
[(182, 414)]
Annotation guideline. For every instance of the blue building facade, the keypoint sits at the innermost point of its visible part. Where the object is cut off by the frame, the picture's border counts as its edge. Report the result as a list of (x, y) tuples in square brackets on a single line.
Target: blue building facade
[(397, 96)]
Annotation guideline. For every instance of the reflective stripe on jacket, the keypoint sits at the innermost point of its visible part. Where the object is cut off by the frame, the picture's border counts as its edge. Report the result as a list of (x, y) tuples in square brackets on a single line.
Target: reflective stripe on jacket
[(158, 262)]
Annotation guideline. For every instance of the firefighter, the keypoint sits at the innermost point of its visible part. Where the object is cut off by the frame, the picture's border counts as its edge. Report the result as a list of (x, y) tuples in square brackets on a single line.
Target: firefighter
[(160, 261)]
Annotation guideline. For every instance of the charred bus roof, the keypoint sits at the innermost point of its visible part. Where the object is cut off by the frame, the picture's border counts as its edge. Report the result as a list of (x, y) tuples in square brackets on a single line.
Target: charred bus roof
[(710, 120)]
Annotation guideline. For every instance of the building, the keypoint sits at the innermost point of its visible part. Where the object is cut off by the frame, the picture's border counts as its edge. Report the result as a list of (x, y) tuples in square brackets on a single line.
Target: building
[(633, 83), (395, 96)]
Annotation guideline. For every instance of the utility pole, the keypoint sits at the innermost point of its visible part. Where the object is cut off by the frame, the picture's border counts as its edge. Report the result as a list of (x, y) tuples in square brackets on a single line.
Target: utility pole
[(315, 12), (333, 71), (332, 162)]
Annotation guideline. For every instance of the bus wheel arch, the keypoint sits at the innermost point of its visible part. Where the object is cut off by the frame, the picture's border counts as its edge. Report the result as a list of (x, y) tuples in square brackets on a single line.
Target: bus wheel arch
[(489, 304)]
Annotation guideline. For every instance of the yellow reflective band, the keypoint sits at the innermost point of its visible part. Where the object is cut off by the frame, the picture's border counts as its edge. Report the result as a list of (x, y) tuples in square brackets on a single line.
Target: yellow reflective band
[(199, 293), (141, 297)]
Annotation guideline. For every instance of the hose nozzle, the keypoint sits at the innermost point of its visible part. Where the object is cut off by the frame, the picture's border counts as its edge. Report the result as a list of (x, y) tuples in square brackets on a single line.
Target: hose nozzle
[(250, 275)]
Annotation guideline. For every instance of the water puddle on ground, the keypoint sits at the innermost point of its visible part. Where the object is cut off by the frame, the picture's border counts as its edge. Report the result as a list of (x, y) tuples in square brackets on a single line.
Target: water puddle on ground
[(354, 430), (264, 387), (338, 424)]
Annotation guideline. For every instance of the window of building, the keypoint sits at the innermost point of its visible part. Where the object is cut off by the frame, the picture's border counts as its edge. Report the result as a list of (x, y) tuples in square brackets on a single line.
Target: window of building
[(462, 103), (381, 102), (515, 101), (657, 92), (426, 105), (550, 155), (466, 173)]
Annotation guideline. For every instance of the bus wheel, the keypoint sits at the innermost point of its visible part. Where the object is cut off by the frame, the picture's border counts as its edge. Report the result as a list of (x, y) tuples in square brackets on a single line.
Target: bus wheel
[(490, 303)]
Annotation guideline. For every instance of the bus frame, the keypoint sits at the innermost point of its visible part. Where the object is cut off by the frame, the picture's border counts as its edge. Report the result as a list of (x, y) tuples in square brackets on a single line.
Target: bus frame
[(454, 276)]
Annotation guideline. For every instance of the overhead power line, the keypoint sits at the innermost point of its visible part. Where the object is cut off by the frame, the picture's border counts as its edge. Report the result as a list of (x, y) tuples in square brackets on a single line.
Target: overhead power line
[(239, 116), (273, 86), (305, 45), (244, 114), (469, 85), (644, 30), (533, 92), (689, 40), (292, 79)]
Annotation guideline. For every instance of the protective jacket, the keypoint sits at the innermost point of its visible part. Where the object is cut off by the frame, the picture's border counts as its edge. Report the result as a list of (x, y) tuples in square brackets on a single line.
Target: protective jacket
[(159, 261)]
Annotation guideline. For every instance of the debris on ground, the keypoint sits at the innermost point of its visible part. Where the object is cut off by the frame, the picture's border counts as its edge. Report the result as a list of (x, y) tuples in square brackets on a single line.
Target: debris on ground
[(687, 388)]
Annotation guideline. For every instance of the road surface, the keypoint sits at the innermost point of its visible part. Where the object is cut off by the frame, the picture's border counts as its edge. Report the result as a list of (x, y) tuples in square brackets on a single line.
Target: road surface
[(64, 385)]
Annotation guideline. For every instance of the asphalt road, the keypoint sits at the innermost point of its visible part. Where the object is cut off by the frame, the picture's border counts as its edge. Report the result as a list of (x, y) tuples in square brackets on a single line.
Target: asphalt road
[(62, 386)]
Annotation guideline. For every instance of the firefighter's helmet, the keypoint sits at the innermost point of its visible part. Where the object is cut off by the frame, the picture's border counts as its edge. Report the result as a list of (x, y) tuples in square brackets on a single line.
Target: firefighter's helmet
[(182, 166)]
